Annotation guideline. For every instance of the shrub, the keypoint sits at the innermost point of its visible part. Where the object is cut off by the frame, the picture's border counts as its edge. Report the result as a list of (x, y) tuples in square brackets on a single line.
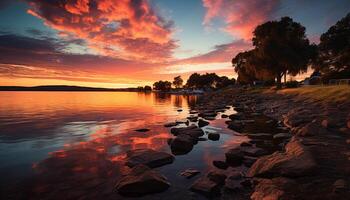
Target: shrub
[(292, 84)]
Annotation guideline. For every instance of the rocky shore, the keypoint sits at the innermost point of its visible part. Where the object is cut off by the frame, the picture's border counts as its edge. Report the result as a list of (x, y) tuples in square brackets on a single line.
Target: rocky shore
[(297, 148), (308, 150)]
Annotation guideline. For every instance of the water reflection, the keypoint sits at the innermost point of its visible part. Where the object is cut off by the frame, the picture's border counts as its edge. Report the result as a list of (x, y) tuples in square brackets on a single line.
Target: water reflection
[(72, 145)]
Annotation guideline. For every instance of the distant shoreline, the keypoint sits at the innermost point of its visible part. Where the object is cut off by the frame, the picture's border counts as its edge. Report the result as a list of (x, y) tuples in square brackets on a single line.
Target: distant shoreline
[(66, 88)]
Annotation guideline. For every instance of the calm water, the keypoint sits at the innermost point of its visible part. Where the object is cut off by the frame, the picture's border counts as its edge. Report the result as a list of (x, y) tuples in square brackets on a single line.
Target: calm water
[(74, 143)]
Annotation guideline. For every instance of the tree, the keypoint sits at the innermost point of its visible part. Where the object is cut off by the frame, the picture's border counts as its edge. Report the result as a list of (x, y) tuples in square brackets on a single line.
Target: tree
[(162, 85), (178, 82), (334, 48), (281, 48), (243, 67), (148, 88)]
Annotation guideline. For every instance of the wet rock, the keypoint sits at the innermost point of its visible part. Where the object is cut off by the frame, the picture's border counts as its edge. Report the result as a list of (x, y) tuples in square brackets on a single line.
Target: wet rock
[(192, 130), (274, 189), (202, 123), (207, 114), (253, 151), (246, 144), (220, 164), (236, 116), (234, 156), (234, 126), (193, 112), (142, 180), (233, 181), (193, 118), (263, 136), (148, 157), (214, 136), (142, 130), (224, 116), (339, 185), (189, 173), (179, 110), (295, 162), (281, 136), (217, 177), (182, 144), (170, 124), (206, 187), (248, 161), (310, 129)]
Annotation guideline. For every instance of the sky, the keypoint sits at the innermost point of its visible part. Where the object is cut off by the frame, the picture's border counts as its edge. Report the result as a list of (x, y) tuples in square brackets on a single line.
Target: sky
[(130, 43)]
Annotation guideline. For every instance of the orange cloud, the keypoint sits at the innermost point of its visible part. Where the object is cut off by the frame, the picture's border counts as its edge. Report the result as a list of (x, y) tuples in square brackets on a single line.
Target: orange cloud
[(241, 16), (118, 28)]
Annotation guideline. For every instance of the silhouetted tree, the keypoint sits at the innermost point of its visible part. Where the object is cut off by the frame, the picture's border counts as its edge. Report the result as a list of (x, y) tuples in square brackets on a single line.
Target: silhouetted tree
[(208, 80), (334, 49), (281, 47), (162, 85), (178, 82), (148, 88)]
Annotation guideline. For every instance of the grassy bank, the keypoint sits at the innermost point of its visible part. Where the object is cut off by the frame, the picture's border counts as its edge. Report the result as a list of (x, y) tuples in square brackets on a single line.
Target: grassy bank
[(338, 93)]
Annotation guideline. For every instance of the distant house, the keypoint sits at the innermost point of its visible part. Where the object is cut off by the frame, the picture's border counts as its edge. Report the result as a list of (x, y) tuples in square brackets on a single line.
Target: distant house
[(314, 79)]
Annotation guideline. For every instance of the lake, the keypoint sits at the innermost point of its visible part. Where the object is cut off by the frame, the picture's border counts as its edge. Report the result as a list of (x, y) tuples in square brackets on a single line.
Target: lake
[(71, 145)]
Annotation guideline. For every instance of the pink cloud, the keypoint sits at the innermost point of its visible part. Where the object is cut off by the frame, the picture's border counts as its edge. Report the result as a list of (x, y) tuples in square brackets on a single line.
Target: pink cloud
[(241, 16), (117, 28)]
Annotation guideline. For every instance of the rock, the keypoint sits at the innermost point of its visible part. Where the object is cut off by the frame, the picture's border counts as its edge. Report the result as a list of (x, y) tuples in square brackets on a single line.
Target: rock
[(281, 136), (246, 144), (339, 185), (148, 157), (142, 180), (233, 181), (224, 116), (295, 162), (234, 126), (193, 112), (217, 177), (220, 164), (253, 151), (330, 123), (142, 130), (234, 156), (192, 130), (214, 136), (209, 118), (274, 189), (182, 144), (189, 173), (310, 129), (193, 118), (170, 124), (263, 136), (206, 187), (207, 114), (248, 161), (236, 116), (348, 124), (202, 123), (179, 110)]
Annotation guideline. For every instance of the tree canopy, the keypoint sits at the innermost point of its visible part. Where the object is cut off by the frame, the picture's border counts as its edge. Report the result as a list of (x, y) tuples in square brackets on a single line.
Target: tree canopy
[(178, 82), (162, 85), (334, 48), (208, 80)]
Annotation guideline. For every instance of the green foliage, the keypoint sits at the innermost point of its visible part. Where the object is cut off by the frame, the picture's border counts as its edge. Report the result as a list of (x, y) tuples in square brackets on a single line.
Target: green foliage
[(162, 86)]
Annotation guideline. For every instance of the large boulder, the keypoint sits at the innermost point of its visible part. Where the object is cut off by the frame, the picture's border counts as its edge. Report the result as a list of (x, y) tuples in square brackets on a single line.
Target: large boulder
[(274, 189), (234, 156), (214, 136), (142, 180), (233, 125), (202, 123), (296, 161), (192, 130), (148, 157)]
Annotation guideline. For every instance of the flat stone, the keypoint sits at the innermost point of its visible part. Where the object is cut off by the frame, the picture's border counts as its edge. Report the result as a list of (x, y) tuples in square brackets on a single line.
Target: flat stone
[(274, 189), (141, 181), (214, 136), (220, 164), (217, 177), (206, 187), (148, 157), (297, 161), (142, 130), (189, 173), (253, 151)]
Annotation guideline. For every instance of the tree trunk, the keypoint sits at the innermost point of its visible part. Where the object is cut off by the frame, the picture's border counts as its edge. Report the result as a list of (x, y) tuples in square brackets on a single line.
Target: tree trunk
[(285, 77), (278, 83)]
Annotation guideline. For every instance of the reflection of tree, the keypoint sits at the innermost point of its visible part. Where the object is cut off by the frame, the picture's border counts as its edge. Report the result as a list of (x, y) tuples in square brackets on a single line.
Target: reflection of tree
[(191, 101), (162, 97), (177, 101)]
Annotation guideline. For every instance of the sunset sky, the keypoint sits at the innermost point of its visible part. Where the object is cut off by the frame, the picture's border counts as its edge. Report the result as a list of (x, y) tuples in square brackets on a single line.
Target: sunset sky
[(128, 43)]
